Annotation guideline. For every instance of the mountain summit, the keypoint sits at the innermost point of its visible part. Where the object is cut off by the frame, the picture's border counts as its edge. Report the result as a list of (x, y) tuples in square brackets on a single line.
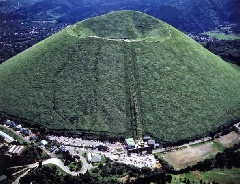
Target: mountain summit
[(122, 25), (121, 74)]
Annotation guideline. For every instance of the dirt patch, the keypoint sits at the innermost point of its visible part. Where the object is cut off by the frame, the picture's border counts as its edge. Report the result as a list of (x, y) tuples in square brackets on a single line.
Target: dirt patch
[(228, 140), (191, 155), (127, 179), (196, 175)]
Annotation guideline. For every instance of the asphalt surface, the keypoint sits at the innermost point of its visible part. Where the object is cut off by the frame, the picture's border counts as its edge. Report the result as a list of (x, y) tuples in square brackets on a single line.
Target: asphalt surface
[(77, 146), (59, 163)]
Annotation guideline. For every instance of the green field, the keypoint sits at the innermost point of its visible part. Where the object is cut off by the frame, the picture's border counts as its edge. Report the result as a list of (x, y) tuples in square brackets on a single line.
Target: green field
[(58, 169), (222, 36), (221, 176), (190, 155), (150, 73)]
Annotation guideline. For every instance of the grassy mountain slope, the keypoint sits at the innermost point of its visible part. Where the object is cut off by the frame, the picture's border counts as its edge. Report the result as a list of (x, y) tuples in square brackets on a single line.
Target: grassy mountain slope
[(113, 26), (104, 83)]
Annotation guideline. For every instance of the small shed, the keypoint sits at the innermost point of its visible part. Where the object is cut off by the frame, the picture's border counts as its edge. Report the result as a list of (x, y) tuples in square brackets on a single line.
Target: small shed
[(146, 138), (18, 127), (10, 123), (44, 142), (96, 158), (151, 143), (130, 142), (25, 131), (13, 124), (32, 137)]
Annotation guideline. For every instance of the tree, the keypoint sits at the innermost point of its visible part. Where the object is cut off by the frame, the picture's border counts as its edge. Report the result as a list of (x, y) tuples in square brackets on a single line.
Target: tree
[(146, 171), (119, 170), (220, 160), (40, 164), (100, 166), (169, 178)]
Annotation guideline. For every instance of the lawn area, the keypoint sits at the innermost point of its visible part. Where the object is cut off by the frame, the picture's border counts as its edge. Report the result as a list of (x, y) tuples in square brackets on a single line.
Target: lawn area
[(191, 155), (75, 166), (59, 170), (222, 36), (221, 176)]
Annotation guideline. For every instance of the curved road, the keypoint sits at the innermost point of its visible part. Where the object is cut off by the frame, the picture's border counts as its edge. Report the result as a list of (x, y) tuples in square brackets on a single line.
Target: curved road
[(59, 163)]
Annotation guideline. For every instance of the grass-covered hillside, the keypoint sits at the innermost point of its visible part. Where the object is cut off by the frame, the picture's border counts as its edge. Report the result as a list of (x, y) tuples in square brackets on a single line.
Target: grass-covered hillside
[(121, 25), (115, 72)]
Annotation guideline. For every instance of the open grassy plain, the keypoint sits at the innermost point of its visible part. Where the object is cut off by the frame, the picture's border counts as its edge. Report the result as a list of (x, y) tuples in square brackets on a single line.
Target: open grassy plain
[(191, 155)]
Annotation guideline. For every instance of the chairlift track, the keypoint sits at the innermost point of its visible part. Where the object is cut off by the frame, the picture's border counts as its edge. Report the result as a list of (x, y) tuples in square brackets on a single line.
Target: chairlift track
[(132, 89)]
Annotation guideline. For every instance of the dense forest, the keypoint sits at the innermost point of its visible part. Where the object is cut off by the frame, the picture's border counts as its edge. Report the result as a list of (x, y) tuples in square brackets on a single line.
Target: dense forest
[(229, 50)]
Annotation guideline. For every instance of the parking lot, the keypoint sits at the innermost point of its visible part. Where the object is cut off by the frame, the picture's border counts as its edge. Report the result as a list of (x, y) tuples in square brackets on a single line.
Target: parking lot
[(77, 146), (87, 145), (138, 160)]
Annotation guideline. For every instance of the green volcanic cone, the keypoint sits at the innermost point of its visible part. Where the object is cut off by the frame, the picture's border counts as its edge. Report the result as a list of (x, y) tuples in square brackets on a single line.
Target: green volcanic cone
[(118, 72)]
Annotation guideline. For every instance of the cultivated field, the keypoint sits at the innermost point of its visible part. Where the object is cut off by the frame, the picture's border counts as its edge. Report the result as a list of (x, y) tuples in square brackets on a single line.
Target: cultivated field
[(228, 140), (191, 155)]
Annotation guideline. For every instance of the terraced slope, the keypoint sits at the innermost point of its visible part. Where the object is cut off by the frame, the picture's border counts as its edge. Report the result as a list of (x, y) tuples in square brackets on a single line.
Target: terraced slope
[(121, 73)]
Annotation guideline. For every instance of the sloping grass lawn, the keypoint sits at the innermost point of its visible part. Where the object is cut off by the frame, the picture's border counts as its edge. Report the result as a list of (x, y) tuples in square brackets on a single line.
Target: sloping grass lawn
[(71, 81)]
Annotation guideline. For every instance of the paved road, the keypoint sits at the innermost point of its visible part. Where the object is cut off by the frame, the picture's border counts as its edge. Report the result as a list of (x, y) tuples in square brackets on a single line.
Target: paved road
[(17, 180), (160, 150), (30, 166), (59, 163)]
